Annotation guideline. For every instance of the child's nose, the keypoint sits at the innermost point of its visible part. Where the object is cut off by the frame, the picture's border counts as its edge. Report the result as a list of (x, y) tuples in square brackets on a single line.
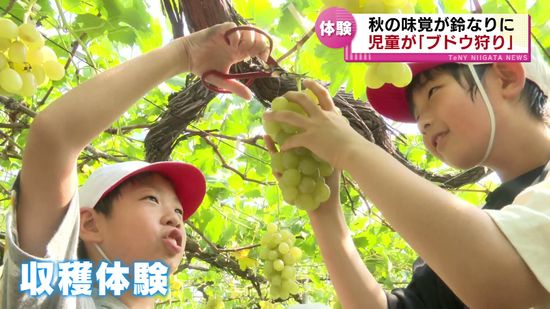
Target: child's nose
[(172, 219), (423, 125)]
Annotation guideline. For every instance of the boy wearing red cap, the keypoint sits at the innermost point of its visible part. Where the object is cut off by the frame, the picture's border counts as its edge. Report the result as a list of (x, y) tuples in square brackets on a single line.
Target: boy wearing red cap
[(490, 115), (132, 211)]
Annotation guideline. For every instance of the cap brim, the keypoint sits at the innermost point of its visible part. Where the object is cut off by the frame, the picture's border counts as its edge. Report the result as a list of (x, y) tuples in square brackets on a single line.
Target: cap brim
[(188, 182), (391, 101)]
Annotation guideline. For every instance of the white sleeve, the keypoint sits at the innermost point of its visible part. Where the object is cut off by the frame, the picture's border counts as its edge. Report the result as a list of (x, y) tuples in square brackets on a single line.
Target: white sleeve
[(526, 224), (62, 246)]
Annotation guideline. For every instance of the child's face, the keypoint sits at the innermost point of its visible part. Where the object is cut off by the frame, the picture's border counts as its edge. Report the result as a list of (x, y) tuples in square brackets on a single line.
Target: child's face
[(454, 129), (145, 224)]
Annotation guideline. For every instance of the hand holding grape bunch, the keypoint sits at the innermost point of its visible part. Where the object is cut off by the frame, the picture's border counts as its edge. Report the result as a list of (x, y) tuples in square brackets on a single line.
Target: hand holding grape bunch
[(323, 135), (301, 172)]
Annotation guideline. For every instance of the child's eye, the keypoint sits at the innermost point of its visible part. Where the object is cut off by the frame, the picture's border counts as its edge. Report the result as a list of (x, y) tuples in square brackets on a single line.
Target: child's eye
[(179, 211), (432, 91), (152, 198)]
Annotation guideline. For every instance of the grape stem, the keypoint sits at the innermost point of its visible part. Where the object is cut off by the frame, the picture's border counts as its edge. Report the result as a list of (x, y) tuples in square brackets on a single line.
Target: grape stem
[(300, 43), (70, 30), (229, 167), (296, 70), (9, 7), (29, 11)]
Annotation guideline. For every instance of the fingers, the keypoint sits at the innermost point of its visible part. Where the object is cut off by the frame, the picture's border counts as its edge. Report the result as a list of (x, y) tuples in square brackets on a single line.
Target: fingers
[(253, 44), (264, 54), (288, 117), (247, 41), (260, 48), (304, 101), (325, 100), (270, 144), (233, 38), (238, 88), (232, 85), (294, 141)]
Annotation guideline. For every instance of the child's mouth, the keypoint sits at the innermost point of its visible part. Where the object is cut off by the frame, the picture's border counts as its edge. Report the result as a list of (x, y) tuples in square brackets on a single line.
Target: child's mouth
[(436, 139), (173, 241)]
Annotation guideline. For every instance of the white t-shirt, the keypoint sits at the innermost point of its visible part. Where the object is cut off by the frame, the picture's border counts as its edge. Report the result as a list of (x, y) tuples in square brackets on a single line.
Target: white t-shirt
[(526, 224)]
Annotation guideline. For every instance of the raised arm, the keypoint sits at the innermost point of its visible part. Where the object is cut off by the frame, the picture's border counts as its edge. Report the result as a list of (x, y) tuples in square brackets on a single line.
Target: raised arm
[(59, 133), (354, 284), (461, 243)]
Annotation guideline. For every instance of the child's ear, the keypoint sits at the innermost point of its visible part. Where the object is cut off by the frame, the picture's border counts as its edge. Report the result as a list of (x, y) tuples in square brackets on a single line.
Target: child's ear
[(89, 230), (512, 77)]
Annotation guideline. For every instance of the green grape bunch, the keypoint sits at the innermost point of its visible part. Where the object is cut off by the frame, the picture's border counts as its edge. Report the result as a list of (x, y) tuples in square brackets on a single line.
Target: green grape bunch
[(280, 257), (396, 73), (25, 62), (301, 172)]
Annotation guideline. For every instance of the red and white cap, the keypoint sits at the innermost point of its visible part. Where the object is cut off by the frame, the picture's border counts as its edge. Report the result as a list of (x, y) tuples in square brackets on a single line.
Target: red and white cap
[(188, 182), (391, 101)]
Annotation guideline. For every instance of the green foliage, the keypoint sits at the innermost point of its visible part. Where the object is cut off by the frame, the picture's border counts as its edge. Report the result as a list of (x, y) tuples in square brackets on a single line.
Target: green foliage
[(235, 210)]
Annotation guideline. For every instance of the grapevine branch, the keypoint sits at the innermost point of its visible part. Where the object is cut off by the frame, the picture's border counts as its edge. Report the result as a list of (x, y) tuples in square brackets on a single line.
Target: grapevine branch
[(215, 247), (70, 30), (11, 141), (365, 200), (69, 60), (229, 167), (221, 261), (239, 248), (9, 7), (298, 45), (196, 230), (5, 191)]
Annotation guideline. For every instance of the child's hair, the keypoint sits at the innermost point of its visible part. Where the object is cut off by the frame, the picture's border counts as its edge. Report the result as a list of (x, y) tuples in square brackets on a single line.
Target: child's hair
[(533, 95), (105, 205)]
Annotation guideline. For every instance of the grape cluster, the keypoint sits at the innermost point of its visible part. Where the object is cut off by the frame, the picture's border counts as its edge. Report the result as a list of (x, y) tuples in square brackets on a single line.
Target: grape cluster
[(301, 172), (397, 73), (25, 62), (280, 255)]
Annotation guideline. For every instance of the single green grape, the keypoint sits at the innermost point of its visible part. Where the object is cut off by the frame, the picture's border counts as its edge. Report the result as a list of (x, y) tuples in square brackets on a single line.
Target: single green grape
[(306, 202), (284, 248), (309, 167), (10, 80), (291, 178), (278, 265), (289, 193), (307, 185), (290, 160), (322, 192), (272, 128), (279, 104), (8, 29)]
